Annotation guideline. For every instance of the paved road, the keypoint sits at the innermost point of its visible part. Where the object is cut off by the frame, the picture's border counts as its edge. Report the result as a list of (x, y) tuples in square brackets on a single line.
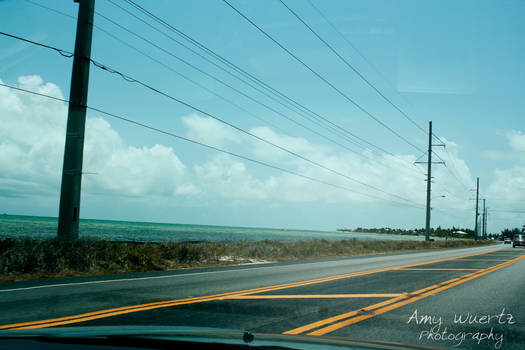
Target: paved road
[(411, 298)]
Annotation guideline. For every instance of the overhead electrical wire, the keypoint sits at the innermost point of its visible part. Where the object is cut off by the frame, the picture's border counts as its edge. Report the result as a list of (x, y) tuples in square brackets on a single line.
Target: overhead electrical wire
[(129, 79), (322, 78), (243, 72), (284, 149), (454, 172), (64, 53), (378, 72), (200, 85), (295, 154), (240, 70), (205, 73), (299, 109), (362, 155), (355, 70), (160, 63), (220, 82), (113, 115)]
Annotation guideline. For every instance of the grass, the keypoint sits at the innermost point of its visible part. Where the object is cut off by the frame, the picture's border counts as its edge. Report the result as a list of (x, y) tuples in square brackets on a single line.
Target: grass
[(29, 259)]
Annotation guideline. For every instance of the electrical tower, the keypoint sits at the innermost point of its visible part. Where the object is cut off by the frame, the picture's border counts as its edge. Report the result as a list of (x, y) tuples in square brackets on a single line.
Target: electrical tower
[(429, 178)]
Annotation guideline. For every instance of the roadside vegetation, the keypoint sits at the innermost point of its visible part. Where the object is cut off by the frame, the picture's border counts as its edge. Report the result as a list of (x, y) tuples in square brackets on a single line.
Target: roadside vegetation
[(510, 233), (453, 232), (29, 259)]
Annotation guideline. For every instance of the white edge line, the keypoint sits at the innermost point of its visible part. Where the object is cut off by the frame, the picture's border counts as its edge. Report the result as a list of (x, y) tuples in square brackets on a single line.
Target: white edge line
[(149, 278)]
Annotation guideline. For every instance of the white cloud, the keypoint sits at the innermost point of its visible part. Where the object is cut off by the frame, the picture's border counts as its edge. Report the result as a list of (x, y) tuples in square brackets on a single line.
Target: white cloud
[(230, 178), (517, 140), (32, 137), (126, 169), (210, 131), (29, 131), (509, 183), (31, 151)]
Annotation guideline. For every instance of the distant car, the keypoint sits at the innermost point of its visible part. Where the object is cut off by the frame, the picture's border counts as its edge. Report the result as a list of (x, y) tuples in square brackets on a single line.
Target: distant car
[(507, 240), (519, 239)]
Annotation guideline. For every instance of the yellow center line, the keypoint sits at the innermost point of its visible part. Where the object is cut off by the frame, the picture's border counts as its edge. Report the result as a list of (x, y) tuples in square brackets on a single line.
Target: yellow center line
[(517, 254), (434, 269), (484, 259), (317, 324), (157, 305), (170, 303), (333, 319), (418, 296), (311, 296)]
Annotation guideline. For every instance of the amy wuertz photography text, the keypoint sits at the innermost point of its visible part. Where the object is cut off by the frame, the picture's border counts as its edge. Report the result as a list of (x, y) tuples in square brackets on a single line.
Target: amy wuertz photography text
[(465, 327)]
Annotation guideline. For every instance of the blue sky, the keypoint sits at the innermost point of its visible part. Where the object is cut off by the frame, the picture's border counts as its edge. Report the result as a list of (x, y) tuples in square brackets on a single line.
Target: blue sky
[(459, 64)]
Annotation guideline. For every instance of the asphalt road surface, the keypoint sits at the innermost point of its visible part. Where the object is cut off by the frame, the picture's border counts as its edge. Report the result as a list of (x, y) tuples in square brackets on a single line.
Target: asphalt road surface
[(461, 298)]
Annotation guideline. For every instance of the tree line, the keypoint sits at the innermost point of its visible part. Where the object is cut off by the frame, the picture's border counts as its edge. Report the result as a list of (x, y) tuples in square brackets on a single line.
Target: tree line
[(454, 232), (510, 232)]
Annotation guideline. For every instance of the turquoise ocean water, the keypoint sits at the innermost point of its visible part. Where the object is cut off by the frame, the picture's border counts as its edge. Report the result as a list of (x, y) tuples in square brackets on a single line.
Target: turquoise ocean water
[(37, 227)]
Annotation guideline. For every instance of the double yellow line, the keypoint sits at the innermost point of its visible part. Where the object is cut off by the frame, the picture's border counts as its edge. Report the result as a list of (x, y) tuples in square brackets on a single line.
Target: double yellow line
[(60, 321), (337, 322)]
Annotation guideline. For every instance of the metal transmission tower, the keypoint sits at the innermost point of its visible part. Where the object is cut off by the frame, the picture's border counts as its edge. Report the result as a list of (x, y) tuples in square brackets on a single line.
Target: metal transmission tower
[(429, 178), (68, 216)]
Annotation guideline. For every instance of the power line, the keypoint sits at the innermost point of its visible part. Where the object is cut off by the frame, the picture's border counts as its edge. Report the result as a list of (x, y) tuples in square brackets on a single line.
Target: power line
[(378, 72), (454, 173), (133, 80), (221, 82), (361, 108), (113, 115), (295, 154), (364, 58), (332, 127), (246, 74), (238, 69), (198, 84), (212, 77), (508, 211), (51, 9), (157, 61), (317, 118), (236, 90), (506, 199), (64, 53), (356, 71)]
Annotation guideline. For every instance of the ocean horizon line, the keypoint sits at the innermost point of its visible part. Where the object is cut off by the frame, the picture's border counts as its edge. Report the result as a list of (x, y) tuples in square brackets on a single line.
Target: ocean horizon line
[(172, 223)]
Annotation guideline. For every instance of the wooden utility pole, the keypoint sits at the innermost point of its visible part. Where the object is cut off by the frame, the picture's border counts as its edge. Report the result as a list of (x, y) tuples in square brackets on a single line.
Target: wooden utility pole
[(69, 212)]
